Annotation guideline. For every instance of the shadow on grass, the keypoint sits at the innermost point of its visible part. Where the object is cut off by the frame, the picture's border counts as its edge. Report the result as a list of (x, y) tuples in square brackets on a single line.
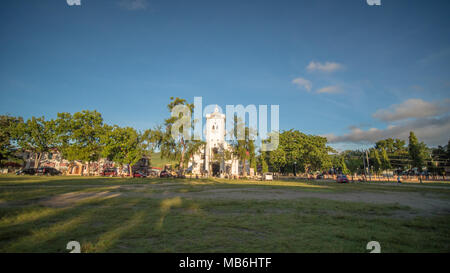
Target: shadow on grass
[(33, 229)]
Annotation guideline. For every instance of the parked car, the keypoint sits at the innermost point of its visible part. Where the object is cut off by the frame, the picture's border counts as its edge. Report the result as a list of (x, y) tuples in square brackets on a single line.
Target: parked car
[(268, 176), (342, 179), (29, 171), (47, 171), (109, 172), (319, 176), (180, 175), (165, 174), (139, 174)]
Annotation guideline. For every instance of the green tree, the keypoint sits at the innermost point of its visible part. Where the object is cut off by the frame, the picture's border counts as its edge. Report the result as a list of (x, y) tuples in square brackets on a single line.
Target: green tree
[(63, 131), (386, 144), (8, 128), (78, 136), (277, 159), (316, 153), (396, 150), (447, 158), (399, 146), (37, 136), (124, 146), (439, 159), (385, 162), (263, 162), (417, 151), (339, 163), (344, 169), (310, 152), (353, 164), (174, 145), (392, 146), (376, 160), (243, 147), (253, 164)]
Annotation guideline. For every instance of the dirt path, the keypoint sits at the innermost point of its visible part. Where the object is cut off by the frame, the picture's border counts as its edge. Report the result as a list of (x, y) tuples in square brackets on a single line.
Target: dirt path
[(71, 198), (426, 204)]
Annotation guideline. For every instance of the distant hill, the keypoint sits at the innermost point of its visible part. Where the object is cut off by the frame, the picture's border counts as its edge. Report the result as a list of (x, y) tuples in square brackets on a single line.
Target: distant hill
[(157, 161)]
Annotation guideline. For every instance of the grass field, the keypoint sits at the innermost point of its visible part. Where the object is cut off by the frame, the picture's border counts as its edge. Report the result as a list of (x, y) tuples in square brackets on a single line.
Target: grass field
[(158, 161), (42, 214)]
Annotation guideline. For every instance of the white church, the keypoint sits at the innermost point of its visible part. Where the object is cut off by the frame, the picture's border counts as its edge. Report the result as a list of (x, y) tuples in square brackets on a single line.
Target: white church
[(216, 157)]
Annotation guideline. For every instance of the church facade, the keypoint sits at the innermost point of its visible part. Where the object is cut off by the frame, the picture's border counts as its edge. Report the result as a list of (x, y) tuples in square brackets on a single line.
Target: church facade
[(216, 157)]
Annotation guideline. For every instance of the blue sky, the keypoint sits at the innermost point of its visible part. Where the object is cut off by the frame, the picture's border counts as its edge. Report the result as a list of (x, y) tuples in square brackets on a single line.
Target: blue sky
[(344, 69)]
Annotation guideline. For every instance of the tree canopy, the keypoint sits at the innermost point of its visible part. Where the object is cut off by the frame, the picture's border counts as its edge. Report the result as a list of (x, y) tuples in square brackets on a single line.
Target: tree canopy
[(84, 136), (172, 140), (36, 135), (308, 152), (123, 145), (417, 152), (8, 136)]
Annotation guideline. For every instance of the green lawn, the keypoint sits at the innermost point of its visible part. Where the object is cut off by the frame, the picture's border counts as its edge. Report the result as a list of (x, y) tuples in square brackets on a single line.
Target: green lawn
[(158, 161), (42, 214)]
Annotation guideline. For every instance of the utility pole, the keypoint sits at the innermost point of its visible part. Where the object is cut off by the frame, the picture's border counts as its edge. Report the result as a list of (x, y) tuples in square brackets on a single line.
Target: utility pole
[(368, 165), (364, 161)]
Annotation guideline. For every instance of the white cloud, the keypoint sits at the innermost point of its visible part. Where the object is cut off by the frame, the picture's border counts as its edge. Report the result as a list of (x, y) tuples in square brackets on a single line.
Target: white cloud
[(134, 4), (303, 83), (433, 131), (430, 121), (326, 67), (412, 108), (329, 90)]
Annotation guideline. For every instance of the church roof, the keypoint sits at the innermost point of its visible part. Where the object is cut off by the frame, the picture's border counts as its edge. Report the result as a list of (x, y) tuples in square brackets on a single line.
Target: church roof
[(215, 114)]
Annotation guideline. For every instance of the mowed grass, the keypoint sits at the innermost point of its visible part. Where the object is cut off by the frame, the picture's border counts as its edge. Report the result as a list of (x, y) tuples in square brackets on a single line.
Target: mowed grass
[(42, 214), (158, 161)]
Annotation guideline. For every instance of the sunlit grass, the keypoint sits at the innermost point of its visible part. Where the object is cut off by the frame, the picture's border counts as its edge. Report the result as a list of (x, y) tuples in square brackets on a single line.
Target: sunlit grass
[(109, 238), (161, 215), (27, 216), (270, 183), (166, 205), (40, 236)]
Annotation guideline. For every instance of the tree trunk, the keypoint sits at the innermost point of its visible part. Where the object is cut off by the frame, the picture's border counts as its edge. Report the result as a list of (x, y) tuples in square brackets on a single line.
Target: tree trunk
[(244, 171), (181, 162), (37, 160), (183, 151), (88, 169), (130, 170)]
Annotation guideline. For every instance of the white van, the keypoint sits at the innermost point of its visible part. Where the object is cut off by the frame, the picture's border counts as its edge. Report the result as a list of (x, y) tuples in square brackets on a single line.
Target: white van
[(268, 176)]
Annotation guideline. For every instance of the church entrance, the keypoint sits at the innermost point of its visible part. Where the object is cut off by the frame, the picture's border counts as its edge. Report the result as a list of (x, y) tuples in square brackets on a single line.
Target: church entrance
[(215, 168)]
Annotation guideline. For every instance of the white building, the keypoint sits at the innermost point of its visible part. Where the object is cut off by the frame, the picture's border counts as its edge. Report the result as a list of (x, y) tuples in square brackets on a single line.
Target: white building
[(216, 157)]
